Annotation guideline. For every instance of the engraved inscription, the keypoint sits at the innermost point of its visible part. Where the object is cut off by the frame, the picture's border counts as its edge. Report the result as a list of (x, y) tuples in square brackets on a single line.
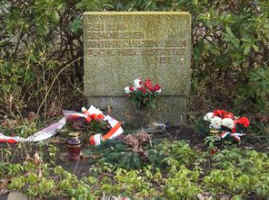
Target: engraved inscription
[(106, 27), (114, 35), (133, 43), (132, 52), (121, 46), (114, 40)]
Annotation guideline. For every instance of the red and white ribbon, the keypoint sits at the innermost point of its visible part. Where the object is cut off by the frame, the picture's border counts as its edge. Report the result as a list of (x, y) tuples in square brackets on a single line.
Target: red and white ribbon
[(115, 131), (236, 136), (38, 136), (91, 114)]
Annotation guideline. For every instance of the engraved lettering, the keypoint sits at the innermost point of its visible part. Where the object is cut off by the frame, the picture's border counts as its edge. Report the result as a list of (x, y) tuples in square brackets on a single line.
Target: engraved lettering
[(138, 35), (95, 27), (164, 60)]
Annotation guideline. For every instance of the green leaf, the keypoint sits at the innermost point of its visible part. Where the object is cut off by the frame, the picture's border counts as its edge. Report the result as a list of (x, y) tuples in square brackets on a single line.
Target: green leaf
[(55, 17), (246, 50), (76, 25), (256, 48)]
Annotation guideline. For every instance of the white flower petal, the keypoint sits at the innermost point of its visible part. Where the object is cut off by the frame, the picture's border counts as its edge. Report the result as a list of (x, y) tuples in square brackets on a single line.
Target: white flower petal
[(209, 116), (216, 123), (127, 90), (158, 91), (137, 83), (228, 122)]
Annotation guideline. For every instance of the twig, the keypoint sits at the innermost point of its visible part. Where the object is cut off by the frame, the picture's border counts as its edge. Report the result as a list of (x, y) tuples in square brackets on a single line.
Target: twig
[(56, 77)]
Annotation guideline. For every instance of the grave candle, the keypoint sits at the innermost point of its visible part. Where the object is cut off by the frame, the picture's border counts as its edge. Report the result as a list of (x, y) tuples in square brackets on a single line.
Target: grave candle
[(73, 145)]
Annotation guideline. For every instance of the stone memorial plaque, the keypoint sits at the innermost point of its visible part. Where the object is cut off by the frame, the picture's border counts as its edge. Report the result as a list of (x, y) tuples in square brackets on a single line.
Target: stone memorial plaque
[(122, 46)]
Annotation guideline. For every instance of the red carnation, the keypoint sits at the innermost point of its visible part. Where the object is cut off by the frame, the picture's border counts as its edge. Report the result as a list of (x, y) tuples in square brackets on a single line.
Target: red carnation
[(156, 87), (228, 115), (219, 113), (142, 89), (148, 84), (244, 121), (213, 151), (223, 114)]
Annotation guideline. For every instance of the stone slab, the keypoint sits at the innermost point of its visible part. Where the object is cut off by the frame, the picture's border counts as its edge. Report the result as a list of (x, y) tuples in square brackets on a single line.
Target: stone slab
[(16, 196), (122, 46), (168, 108)]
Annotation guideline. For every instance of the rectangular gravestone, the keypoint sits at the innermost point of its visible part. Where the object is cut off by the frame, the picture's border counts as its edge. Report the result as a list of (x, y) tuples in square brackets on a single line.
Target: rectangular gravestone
[(122, 46)]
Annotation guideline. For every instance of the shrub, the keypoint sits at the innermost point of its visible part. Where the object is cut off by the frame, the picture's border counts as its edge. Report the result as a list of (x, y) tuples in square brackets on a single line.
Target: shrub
[(229, 49), (42, 49)]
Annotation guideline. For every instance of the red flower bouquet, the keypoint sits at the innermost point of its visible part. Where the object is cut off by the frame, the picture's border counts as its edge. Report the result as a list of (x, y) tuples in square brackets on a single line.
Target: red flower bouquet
[(143, 93)]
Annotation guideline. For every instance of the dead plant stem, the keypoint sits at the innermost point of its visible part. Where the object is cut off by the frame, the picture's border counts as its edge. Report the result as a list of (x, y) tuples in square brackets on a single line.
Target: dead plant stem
[(51, 86)]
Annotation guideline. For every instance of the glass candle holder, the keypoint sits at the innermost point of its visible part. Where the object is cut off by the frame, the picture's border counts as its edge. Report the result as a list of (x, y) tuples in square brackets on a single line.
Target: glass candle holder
[(214, 131), (73, 145)]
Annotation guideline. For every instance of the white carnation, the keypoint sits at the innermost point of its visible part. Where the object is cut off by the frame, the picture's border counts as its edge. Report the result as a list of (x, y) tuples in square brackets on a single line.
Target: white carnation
[(158, 91), (127, 90), (209, 116), (137, 83), (216, 123), (228, 122)]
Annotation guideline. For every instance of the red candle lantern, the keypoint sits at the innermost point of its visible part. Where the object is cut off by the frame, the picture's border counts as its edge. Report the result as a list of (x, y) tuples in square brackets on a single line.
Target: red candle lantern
[(73, 145)]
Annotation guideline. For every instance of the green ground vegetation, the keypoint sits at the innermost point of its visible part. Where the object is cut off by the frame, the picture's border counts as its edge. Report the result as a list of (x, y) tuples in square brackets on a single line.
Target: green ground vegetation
[(181, 172)]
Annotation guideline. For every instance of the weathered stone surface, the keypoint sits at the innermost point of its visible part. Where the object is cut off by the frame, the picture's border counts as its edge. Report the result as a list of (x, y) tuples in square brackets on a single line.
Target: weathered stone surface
[(16, 196), (122, 46), (168, 108)]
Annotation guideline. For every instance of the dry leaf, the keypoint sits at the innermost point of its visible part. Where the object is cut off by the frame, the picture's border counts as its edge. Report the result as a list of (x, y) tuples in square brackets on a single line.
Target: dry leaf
[(137, 140), (266, 130), (54, 109), (27, 157), (64, 156), (107, 197), (57, 140), (9, 123), (3, 191), (143, 137), (262, 118), (95, 156), (225, 197), (132, 141), (109, 110), (40, 174), (32, 116), (37, 160), (204, 196), (3, 183)]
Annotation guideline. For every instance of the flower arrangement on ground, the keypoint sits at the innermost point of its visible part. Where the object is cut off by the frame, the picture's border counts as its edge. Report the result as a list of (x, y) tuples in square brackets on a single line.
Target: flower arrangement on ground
[(143, 93), (226, 124)]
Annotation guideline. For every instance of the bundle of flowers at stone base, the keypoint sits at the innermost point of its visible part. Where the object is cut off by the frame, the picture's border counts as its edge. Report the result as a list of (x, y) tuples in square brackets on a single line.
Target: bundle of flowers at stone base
[(143, 93), (226, 124)]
